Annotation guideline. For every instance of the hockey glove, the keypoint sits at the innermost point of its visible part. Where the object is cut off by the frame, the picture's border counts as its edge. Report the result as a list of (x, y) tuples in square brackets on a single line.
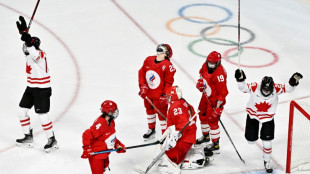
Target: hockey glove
[(27, 38), (143, 91), (120, 147), (240, 75), (22, 26), (163, 100), (217, 112), (200, 85), (87, 150), (294, 80)]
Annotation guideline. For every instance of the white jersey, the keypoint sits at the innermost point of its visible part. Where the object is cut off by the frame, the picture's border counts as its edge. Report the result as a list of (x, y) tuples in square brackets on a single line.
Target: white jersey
[(36, 69), (260, 107)]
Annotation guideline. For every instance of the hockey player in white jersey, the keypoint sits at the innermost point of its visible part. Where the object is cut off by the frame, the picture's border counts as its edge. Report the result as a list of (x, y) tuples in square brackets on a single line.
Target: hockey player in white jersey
[(261, 109), (38, 90)]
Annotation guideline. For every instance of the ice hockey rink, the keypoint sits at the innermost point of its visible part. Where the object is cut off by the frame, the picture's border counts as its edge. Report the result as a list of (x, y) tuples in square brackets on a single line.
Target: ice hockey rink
[(95, 49)]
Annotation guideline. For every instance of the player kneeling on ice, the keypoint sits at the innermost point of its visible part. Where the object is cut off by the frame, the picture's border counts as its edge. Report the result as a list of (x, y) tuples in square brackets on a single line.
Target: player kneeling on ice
[(102, 136), (261, 109), (179, 141)]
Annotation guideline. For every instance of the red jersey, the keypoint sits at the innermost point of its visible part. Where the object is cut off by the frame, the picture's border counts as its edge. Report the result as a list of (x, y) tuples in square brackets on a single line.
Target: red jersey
[(101, 136), (158, 76), (216, 87), (179, 114)]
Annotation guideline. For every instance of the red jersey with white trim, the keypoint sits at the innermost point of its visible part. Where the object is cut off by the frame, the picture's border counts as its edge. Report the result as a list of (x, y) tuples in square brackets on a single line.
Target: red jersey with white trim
[(260, 107), (180, 112), (36, 69), (158, 76), (101, 136), (216, 83)]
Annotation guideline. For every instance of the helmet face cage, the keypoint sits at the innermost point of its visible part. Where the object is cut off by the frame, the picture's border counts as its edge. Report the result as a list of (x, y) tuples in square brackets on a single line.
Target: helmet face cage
[(267, 86), (213, 60), (161, 49), (174, 93)]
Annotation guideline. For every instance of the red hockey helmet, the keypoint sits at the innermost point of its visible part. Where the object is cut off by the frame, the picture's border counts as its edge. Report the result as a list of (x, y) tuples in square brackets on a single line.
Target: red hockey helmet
[(164, 48), (174, 93), (214, 57), (110, 108)]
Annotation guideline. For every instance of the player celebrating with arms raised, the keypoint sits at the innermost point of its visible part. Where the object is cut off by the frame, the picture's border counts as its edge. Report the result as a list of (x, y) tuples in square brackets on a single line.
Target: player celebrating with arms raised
[(261, 109), (155, 76), (213, 86)]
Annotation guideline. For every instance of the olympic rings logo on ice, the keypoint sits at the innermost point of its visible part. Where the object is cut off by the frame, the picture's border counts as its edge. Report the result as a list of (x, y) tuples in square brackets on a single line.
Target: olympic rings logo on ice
[(215, 29)]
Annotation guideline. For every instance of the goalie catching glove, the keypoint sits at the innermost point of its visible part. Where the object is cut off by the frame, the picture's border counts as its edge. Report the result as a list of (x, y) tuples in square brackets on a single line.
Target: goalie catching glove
[(172, 138)]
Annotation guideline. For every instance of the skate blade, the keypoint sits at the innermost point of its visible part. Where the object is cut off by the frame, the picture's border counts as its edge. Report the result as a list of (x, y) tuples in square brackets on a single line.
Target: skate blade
[(149, 139), (48, 150), (26, 145)]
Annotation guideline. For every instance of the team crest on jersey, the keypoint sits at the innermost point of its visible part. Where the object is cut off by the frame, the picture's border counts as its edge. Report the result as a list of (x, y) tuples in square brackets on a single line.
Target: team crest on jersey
[(262, 106), (207, 88), (153, 79)]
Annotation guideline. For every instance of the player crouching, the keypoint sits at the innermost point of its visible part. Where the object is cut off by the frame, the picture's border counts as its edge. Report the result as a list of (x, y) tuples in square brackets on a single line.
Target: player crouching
[(181, 137)]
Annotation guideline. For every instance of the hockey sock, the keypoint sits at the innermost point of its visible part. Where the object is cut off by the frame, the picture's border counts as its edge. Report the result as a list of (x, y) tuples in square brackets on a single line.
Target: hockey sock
[(267, 149), (24, 120), (163, 125), (47, 125), (151, 121), (205, 128), (215, 134)]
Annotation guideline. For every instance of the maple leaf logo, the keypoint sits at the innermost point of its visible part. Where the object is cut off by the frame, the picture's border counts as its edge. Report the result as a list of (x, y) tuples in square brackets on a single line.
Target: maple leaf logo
[(263, 106), (28, 69)]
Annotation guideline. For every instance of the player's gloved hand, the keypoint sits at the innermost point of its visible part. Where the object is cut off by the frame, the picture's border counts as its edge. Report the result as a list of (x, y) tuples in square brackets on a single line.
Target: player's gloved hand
[(22, 26), (86, 151), (217, 112), (163, 100), (171, 140), (143, 91), (294, 80), (27, 38), (200, 85), (240, 75), (120, 147)]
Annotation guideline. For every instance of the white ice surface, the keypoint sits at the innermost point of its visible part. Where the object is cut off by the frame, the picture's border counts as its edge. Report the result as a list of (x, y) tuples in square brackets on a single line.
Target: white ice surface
[(95, 49)]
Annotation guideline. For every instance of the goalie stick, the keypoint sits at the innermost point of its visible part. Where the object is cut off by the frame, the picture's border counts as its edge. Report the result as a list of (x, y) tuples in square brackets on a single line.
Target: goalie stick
[(205, 94), (34, 12), (140, 170)]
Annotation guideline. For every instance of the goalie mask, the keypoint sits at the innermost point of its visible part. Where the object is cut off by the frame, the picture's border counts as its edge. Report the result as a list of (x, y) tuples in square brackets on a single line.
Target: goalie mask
[(267, 87), (174, 93), (110, 109), (164, 48), (213, 61)]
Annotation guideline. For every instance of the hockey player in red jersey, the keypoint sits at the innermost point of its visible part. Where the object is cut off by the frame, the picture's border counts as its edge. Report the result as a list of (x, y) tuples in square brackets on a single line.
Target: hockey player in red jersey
[(102, 136), (261, 109), (38, 91), (212, 84), (155, 76), (179, 114)]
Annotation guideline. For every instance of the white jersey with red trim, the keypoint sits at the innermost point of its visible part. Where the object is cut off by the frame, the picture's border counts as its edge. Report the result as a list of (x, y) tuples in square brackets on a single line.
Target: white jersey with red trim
[(260, 107), (36, 69)]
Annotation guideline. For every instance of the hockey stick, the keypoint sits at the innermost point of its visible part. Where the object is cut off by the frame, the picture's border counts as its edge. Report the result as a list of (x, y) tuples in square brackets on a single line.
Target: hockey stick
[(224, 128), (163, 151), (34, 12), (239, 34), (152, 104), (130, 147)]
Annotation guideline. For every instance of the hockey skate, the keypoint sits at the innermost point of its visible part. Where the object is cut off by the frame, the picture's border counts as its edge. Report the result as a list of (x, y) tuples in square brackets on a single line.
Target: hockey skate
[(27, 141), (149, 135), (214, 148), (203, 139), (268, 167), (51, 145)]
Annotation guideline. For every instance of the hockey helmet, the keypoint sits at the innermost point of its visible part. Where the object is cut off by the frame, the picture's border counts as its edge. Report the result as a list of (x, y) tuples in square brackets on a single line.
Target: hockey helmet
[(164, 48), (213, 60), (174, 93), (267, 86), (109, 108)]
